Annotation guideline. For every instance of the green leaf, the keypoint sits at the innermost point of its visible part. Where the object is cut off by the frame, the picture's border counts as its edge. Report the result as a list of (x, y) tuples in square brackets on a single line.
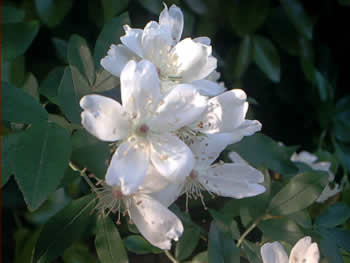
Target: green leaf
[(25, 245), (283, 32), (188, 242), (109, 35), (80, 57), (72, 88), (329, 249), (341, 236), (343, 151), (90, 152), (344, 2), (61, 47), (201, 257), (49, 86), (335, 215), (297, 15), (221, 247), (302, 218), (52, 12), (247, 16), (78, 253), (138, 245), (112, 8), (31, 86), (261, 151), (42, 155), (108, 243), (63, 229), (13, 71), (281, 229), (342, 120), (153, 6), (300, 192), (11, 14), (20, 107), (17, 37), (252, 252), (105, 81), (244, 56), (266, 57), (55, 203), (8, 159)]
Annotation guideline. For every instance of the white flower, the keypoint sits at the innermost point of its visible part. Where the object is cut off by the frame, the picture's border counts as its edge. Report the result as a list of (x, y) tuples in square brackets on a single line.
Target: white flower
[(236, 180), (185, 61), (310, 160), (154, 220), (303, 252), (145, 123)]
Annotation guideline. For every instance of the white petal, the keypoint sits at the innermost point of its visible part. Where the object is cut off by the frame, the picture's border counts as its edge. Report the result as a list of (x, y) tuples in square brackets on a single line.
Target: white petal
[(299, 250), (132, 40), (206, 149), (140, 88), (273, 253), (224, 113), (156, 43), (312, 254), (154, 221), (247, 128), (208, 87), (128, 168), (181, 106), (149, 186), (105, 118), (170, 194), (174, 20), (233, 180), (328, 192), (203, 40), (193, 60), (304, 157), (171, 157), (116, 59), (236, 158)]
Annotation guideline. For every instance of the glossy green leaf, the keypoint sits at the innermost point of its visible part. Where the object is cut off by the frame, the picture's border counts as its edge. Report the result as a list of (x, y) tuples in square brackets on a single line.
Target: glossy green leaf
[(112, 8), (63, 229), (266, 57), (42, 155), (8, 159), (109, 35), (335, 215), (247, 16), (72, 88), (25, 247), (52, 12), (11, 14), (298, 16), (281, 229), (18, 106), (244, 56), (80, 57), (109, 245), (31, 86), (187, 242), (55, 203), (261, 151), (300, 192), (49, 86), (90, 152), (17, 37), (138, 245), (221, 247)]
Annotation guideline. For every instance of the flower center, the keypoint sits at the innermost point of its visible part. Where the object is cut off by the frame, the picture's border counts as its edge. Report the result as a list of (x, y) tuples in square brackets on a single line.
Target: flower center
[(143, 129), (193, 174), (117, 193)]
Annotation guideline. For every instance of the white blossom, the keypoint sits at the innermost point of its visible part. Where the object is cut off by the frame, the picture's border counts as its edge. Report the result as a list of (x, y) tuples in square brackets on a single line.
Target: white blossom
[(311, 160), (144, 123), (185, 61), (303, 252)]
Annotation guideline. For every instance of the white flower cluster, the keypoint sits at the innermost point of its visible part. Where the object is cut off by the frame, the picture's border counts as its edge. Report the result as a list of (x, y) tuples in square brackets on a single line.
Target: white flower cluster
[(172, 124)]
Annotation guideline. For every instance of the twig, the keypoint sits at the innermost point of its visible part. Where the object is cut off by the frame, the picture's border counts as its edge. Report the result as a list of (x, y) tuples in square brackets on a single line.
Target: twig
[(168, 254), (249, 229)]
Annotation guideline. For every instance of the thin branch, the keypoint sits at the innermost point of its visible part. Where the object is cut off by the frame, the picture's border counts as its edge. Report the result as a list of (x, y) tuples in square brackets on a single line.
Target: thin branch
[(84, 175), (168, 254)]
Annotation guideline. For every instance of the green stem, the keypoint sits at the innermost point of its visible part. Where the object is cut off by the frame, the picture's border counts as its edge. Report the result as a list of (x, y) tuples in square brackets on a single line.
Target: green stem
[(249, 229), (322, 137), (168, 254), (84, 175)]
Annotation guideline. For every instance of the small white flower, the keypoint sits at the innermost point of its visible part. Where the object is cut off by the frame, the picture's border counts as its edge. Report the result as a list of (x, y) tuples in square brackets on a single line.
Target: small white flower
[(303, 252), (145, 123), (311, 160), (154, 220), (185, 61)]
